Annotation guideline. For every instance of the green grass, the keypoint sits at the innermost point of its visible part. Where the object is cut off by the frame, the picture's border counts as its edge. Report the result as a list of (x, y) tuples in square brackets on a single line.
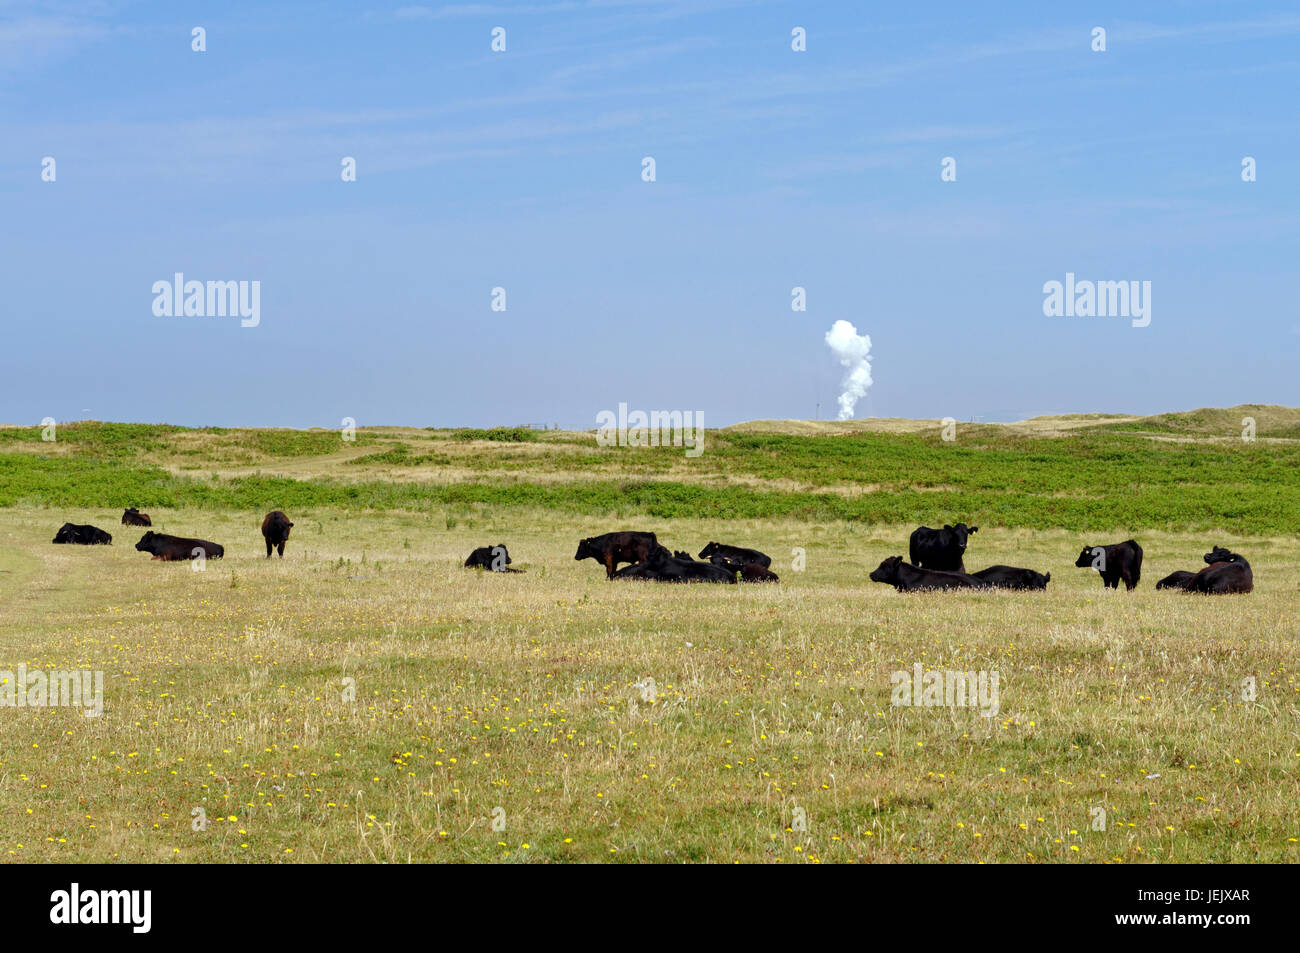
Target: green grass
[(1092, 480)]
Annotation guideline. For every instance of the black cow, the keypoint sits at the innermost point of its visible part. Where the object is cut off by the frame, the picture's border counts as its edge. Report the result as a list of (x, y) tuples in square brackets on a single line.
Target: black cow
[(275, 529), (1176, 580), (176, 548), (133, 517), (492, 558), (1009, 577), (1115, 562), (613, 548), (663, 566), (908, 578), (83, 535), (1227, 573), (940, 549), (737, 554), (749, 572)]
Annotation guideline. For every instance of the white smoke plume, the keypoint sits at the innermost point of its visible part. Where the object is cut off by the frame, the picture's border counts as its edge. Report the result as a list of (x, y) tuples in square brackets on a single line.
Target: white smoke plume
[(854, 352)]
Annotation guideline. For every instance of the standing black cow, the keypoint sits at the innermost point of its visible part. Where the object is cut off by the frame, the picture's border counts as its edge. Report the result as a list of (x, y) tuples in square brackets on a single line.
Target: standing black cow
[(613, 548), (1115, 562), (83, 535), (1009, 577), (492, 558), (940, 549), (736, 554), (275, 528)]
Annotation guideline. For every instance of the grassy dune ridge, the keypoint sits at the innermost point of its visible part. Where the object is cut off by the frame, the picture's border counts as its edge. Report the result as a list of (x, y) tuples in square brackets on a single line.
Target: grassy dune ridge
[(634, 722), (1076, 473)]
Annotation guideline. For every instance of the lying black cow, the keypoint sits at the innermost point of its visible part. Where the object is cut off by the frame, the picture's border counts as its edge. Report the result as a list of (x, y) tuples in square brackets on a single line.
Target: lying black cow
[(175, 548), (275, 529), (613, 548), (133, 517), (749, 572), (663, 566), (1176, 580), (908, 578), (940, 549), (1226, 573), (1009, 577), (736, 554), (83, 535), (492, 558), (1115, 562)]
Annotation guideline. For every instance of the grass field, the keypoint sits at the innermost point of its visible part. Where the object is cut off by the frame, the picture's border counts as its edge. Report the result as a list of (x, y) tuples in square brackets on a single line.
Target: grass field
[(512, 718)]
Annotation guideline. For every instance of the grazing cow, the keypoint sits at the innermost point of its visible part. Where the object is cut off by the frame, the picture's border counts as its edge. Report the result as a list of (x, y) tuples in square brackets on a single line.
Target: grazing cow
[(275, 529), (940, 549), (175, 548), (1009, 577), (736, 554), (663, 566), (1115, 562), (1176, 580), (133, 517), (1227, 573), (492, 558), (613, 548), (83, 535), (908, 578)]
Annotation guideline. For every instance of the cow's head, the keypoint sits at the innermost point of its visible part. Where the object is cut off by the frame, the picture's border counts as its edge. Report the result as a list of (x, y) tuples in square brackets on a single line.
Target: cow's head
[(500, 547), (146, 542), (961, 533), (1219, 554), (1086, 557), (585, 550), (708, 551), (64, 535), (887, 571)]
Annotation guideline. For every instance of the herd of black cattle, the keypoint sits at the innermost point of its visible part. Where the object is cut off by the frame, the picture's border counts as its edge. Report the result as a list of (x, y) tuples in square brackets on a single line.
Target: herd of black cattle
[(938, 559)]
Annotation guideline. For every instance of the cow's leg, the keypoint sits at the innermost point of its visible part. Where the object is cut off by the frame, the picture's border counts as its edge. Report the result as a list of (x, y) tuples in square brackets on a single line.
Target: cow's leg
[(268, 547), (280, 549), (1129, 584), (610, 563)]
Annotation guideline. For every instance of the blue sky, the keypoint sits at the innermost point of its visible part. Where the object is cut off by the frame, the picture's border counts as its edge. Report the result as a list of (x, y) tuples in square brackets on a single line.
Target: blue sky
[(522, 169)]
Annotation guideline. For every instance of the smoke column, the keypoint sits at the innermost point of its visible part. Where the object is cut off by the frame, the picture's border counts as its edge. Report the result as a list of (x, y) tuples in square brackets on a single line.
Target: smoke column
[(854, 352)]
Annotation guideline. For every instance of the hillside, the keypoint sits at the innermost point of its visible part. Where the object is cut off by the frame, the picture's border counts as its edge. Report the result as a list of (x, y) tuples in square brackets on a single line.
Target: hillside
[(1187, 471)]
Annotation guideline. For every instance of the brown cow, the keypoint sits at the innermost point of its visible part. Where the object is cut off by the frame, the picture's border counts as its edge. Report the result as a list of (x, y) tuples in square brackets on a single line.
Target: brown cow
[(613, 548), (275, 527), (133, 517)]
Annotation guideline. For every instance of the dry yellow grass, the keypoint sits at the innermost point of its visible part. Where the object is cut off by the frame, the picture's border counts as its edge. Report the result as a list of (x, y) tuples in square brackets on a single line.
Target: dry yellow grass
[(521, 699)]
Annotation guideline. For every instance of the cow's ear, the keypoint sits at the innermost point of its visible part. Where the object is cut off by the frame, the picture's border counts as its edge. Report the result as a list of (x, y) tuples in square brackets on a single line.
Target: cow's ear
[(974, 529), (947, 526)]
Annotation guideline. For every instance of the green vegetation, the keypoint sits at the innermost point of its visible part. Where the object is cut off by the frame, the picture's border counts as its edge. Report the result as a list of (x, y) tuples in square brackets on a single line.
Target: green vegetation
[(1097, 476)]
